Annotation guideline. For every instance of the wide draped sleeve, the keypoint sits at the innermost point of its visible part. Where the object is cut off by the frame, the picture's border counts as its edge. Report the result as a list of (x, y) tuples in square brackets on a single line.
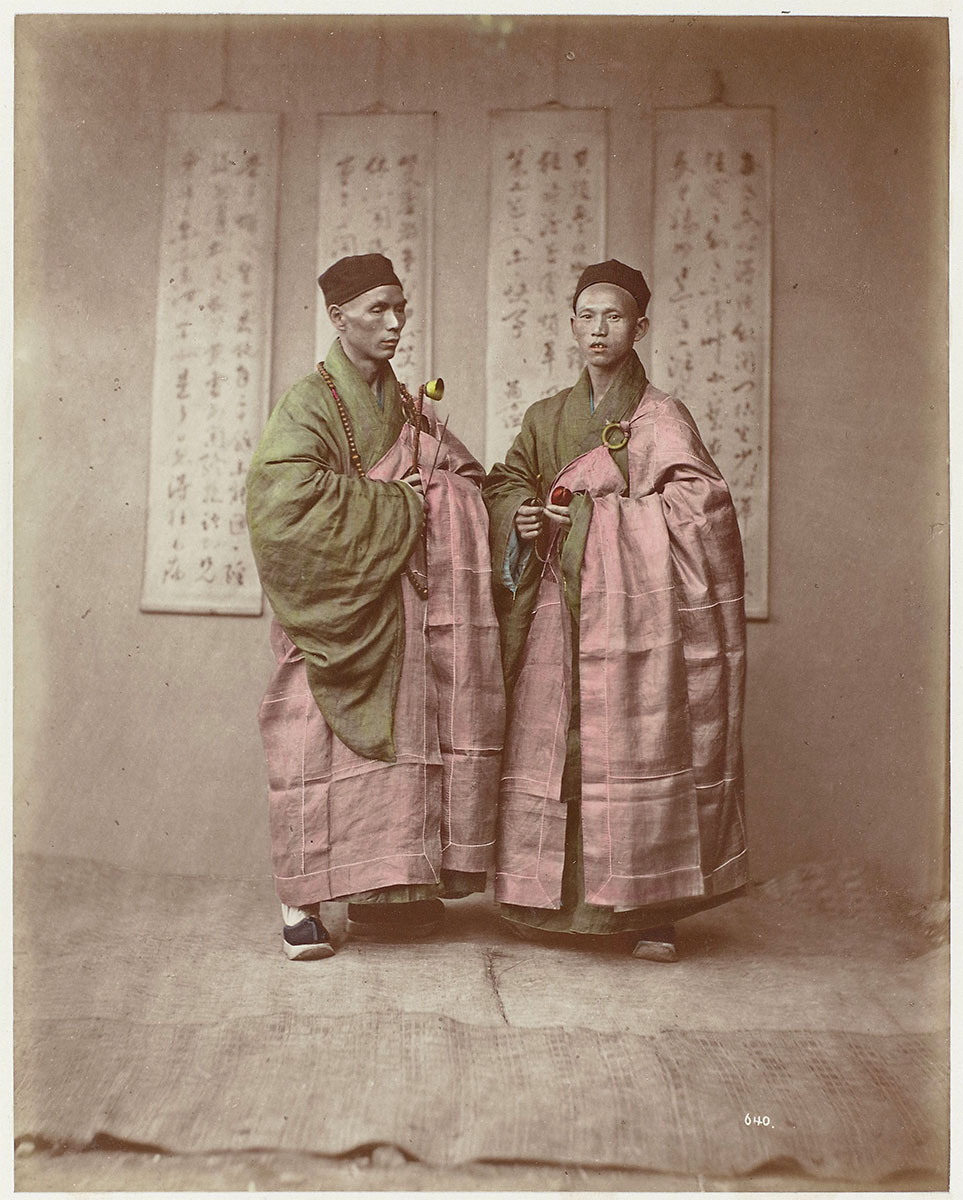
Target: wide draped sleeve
[(528, 470), (330, 549), (698, 510), (508, 485)]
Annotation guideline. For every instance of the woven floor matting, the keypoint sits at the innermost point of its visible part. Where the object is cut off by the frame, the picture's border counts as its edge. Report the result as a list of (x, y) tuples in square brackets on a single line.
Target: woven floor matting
[(448, 1093), (159, 1011)]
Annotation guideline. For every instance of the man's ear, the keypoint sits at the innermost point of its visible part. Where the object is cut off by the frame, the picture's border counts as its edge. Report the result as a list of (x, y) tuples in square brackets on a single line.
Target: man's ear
[(641, 329), (336, 316)]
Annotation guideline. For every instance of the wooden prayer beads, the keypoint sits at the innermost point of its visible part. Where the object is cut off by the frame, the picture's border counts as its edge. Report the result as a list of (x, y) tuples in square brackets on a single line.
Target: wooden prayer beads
[(416, 583), (348, 431)]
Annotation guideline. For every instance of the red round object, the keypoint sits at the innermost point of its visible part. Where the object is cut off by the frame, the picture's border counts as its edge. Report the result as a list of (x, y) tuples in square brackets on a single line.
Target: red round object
[(561, 495)]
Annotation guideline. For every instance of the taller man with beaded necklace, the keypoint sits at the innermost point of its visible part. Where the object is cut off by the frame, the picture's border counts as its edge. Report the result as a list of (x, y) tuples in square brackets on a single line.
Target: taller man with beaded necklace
[(374, 556)]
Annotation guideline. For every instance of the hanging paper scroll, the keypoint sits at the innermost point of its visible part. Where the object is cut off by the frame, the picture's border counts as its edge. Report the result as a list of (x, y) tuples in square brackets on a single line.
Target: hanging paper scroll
[(211, 360), (547, 222), (376, 194), (711, 321)]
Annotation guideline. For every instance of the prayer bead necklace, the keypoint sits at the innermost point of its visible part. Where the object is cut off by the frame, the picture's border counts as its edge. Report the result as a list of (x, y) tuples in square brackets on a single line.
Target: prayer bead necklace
[(349, 432), (415, 582)]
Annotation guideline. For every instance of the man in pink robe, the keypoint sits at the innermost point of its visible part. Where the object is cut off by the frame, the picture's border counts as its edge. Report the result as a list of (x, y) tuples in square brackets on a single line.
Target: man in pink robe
[(383, 721), (619, 583)]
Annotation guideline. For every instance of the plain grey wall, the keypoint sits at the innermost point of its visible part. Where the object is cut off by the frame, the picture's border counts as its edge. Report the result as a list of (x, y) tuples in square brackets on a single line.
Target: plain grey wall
[(136, 735)]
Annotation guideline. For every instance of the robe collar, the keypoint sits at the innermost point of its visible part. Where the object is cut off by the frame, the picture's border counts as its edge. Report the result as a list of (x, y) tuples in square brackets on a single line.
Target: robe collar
[(581, 428), (375, 426)]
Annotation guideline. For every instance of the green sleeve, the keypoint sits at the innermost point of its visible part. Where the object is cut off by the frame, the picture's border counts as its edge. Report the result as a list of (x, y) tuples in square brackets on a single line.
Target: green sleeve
[(330, 550)]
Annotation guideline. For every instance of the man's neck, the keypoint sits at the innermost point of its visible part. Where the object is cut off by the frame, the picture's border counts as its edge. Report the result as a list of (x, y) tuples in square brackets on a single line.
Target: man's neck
[(601, 380), (368, 368)]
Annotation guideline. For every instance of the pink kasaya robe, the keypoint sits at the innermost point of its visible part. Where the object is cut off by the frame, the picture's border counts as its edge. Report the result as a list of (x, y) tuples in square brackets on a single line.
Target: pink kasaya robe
[(652, 570), (422, 704)]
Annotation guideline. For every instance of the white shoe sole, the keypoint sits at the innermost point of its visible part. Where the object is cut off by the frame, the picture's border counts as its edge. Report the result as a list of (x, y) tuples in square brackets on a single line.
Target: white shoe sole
[(663, 952), (306, 953)]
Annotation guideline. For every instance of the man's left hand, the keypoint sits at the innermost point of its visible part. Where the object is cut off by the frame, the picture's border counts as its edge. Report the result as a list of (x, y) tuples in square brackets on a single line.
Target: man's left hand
[(559, 513)]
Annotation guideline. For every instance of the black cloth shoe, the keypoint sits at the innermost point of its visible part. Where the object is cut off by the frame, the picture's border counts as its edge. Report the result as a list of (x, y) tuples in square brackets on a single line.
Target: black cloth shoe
[(307, 939), (657, 944), (395, 922)]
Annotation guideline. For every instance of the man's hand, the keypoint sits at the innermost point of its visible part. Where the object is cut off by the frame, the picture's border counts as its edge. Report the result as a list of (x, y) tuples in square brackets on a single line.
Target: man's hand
[(528, 522), (559, 514), (413, 480)]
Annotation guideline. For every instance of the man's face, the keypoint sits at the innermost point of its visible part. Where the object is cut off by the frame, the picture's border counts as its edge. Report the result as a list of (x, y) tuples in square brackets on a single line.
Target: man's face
[(606, 324), (370, 325)]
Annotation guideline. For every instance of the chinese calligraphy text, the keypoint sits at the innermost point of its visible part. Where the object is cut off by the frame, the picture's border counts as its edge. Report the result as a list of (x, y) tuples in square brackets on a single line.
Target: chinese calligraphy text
[(211, 360)]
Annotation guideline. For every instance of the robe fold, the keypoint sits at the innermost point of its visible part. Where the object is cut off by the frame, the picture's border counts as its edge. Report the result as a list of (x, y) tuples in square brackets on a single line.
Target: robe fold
[(651, 574), (383, 721)]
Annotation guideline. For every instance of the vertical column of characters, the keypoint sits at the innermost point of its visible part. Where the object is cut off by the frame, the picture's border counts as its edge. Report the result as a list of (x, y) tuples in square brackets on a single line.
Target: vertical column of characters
[(713, 284), (182, 381), (344, 220), (548, 315), (217, 217), (675, 317), (515, 252), (749, 365), (242, 370), (376, 209), (744, 372)]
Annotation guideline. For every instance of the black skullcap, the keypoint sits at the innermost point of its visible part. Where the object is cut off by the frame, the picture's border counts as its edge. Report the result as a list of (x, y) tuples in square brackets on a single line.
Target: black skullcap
[(613, 271), (355, 275)]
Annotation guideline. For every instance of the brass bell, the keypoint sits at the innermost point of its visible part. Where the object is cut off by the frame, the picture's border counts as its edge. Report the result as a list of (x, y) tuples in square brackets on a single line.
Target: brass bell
[(435, 389)]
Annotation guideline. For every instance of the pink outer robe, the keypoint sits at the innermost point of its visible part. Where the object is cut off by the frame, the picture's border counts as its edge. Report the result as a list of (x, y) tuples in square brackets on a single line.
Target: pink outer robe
[(661, 667), (341, 823)]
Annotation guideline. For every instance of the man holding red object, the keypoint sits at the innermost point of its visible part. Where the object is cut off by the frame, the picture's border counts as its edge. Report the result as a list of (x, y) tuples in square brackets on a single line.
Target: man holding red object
[(619, 583)]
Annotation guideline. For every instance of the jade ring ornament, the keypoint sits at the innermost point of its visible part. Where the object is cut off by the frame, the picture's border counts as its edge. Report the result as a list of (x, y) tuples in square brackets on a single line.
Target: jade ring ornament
[(614, 437)]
